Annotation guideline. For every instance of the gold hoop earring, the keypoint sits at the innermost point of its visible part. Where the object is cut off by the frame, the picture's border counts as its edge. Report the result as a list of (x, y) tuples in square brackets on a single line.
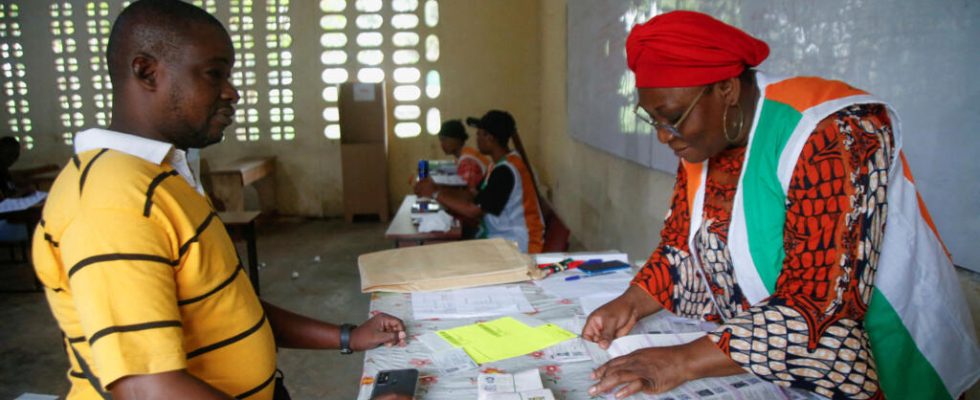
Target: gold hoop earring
[(741, 124)]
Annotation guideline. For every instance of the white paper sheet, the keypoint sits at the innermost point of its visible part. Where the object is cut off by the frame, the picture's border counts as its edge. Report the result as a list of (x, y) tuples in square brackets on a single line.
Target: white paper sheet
[(448, 180), (524, 381), (452, 361), (613, 284), (539, 394), (470, 302), (592, 302), (435, 222), (666, 322), (568, 351)]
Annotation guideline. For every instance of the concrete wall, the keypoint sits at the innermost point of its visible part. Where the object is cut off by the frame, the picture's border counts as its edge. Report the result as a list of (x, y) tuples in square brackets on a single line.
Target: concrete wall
[(488, 54), (506, 54), (607, 202)]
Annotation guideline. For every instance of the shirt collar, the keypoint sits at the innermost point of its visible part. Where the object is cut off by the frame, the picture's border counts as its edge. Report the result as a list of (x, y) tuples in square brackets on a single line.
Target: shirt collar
[(150, 150)]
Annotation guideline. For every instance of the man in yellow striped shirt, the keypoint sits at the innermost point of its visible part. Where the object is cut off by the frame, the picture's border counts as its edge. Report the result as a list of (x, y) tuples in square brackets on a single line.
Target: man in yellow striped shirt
[(140, 274)]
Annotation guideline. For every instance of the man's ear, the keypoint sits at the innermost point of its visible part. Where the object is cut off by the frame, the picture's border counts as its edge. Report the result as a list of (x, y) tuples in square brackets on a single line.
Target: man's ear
[(145, 69), (729, 90)]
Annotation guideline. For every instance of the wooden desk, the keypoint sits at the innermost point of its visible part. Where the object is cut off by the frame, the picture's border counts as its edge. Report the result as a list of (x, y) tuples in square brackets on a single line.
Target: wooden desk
[(242, 224), (28, 217), (403, 232), (228, 183), (40, 177)]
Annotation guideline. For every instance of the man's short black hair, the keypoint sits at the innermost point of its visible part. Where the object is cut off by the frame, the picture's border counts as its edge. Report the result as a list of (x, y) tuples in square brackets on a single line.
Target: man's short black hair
[(499, 124), (9, 141), (453, 129), (155, 27)]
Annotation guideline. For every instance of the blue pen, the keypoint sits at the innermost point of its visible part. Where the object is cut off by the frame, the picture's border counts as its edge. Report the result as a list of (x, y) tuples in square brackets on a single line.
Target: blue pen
[(577, 277)]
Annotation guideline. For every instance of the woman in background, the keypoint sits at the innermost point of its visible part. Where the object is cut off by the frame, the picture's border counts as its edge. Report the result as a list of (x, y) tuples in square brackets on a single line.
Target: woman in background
[(470, 164)]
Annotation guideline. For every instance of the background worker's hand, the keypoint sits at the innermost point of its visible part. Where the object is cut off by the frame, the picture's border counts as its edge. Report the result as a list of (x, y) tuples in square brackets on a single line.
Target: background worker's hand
[(616, 318), (381, 329), (425, 187)]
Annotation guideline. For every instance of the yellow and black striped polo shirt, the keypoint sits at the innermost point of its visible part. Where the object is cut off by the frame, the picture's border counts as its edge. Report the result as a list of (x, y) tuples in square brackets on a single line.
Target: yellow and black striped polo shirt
[(142, 278)]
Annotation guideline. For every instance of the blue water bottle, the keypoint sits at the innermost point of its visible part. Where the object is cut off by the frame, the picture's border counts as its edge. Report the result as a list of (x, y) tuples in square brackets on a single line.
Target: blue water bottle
[(423, 169)]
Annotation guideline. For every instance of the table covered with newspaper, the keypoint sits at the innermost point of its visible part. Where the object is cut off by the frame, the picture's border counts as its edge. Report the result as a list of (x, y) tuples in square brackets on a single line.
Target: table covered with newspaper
[(560, 371)]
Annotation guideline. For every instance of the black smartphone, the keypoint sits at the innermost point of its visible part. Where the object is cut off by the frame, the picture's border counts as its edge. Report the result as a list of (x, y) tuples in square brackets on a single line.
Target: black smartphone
[(601, 267), (396, 381)]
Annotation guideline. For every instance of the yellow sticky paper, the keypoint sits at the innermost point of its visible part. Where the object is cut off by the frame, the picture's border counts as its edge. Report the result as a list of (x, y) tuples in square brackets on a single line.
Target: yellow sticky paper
[(503, 338)]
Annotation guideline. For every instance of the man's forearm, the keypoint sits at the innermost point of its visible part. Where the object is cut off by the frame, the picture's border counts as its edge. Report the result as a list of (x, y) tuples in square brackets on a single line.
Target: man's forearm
[(300, 332), (459, 202)]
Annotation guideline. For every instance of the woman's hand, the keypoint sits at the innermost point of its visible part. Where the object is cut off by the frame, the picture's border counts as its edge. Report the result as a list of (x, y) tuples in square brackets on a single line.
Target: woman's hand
[(380, 329), (649, 370), (616, 318), (659, 369)]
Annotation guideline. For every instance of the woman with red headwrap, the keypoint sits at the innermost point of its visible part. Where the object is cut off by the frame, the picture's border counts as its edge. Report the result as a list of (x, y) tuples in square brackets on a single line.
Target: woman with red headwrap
[(777, 233)]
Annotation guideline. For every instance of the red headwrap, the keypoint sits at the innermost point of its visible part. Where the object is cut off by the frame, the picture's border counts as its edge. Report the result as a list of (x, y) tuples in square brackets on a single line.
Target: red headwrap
[(686, 48)]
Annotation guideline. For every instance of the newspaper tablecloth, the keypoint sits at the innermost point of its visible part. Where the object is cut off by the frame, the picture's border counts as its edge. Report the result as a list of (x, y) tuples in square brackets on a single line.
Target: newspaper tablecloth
[(567, 381)]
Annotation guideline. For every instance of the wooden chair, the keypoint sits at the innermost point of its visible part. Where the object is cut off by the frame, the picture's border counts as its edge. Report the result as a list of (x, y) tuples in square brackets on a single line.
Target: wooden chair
[(556, 233)]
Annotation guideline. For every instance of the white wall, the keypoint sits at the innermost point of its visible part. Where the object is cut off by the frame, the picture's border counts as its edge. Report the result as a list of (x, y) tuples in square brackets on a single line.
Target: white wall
[(919, 56), (486, 61)]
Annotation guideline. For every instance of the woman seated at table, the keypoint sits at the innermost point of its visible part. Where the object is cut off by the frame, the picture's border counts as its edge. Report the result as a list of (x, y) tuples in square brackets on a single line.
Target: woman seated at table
[(506, 203), (777, 231), (11, 188), (470, 164)]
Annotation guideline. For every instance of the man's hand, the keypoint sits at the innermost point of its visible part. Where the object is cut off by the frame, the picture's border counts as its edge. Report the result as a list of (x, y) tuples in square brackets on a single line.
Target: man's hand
[(649, 370), (616, 318), (380, 329), (425, 187)]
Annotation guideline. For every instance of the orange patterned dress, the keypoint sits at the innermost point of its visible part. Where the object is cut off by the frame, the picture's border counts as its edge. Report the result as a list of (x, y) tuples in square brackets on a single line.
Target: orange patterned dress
[(831, 242)]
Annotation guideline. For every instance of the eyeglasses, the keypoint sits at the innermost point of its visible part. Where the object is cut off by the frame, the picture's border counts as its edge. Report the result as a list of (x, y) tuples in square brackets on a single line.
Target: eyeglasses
[(672, 128)]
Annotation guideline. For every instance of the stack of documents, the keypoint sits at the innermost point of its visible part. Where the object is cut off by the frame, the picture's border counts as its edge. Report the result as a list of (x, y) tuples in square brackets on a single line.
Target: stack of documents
[(501, 338), (435, 222), (524, 385), (444, 266)]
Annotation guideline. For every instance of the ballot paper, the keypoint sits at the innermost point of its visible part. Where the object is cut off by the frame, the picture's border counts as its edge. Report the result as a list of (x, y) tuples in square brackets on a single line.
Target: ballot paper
[(448, 180), (524, 385), (435, 222), (503, 338), (539, 394), (744, 386), (569, 351), (666, 322), (470, 302), (447, 358), (608, 285)]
